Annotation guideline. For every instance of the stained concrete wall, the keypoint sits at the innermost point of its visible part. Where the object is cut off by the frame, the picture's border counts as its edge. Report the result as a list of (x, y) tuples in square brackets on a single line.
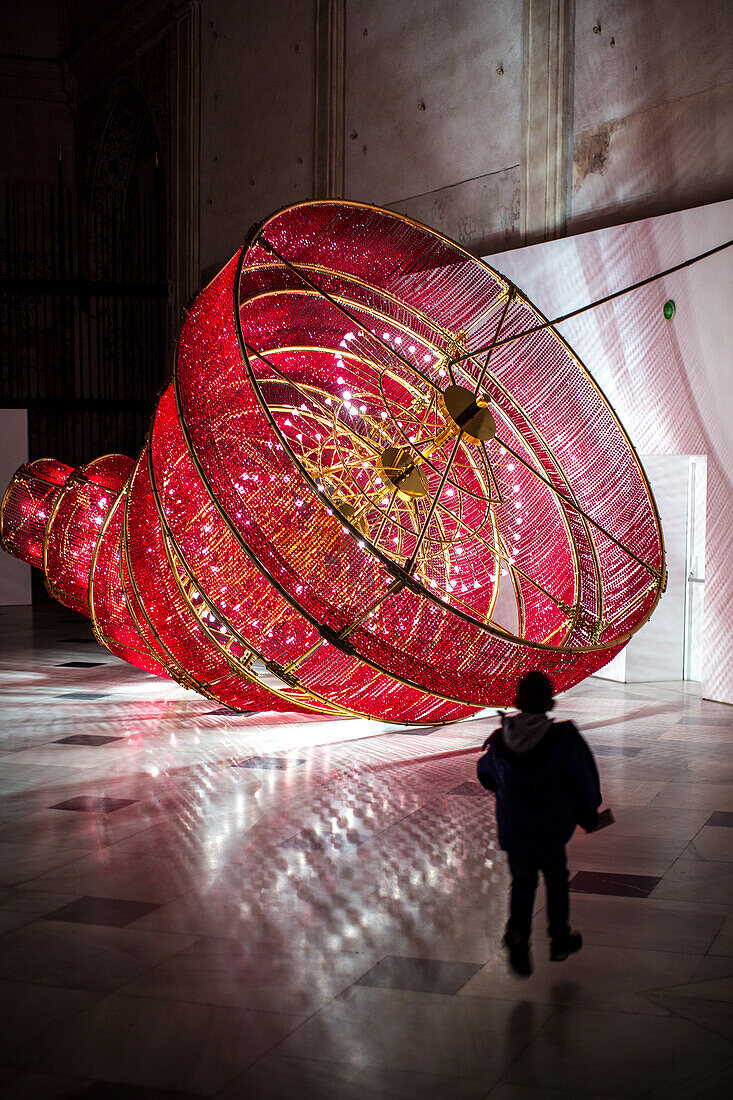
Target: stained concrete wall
[(653, 108), (433, 113), (257, 95)]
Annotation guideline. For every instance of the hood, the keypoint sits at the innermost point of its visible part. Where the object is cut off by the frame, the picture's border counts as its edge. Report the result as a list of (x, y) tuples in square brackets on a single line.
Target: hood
[(522, 731)]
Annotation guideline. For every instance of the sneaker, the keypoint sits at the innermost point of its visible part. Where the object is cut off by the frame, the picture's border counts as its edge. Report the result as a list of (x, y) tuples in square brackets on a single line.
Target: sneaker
[(568, 945), (520, 959)]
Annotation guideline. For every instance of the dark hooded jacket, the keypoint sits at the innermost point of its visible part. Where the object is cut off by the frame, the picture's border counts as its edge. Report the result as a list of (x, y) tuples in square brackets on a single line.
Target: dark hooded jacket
[(545, 780)]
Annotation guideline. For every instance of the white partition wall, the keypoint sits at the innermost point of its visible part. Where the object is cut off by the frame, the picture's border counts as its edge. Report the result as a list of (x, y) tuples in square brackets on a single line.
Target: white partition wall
[(657, 651), (671, 383), (15, 576)]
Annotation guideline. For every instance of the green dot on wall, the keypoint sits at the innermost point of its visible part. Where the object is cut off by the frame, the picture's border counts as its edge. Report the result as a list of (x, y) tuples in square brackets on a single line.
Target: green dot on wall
[(669, 309)]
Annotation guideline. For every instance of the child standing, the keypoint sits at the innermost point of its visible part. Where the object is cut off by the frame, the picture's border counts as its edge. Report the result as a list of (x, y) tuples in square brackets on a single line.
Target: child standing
[(546, 782)]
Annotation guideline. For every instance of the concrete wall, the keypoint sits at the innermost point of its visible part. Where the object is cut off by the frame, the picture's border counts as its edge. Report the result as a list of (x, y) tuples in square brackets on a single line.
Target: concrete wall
[(433, 113), (257, 93)]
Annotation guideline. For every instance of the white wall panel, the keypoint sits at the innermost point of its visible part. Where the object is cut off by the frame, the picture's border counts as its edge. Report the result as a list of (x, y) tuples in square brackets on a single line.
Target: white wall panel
[(671, 382), (15, 575)]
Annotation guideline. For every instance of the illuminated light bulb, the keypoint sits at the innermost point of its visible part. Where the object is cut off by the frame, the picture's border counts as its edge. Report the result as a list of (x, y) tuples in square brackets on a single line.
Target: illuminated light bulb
[(441, 372), (509, 465), (347, 395), (412, 349), (398, 339), (385, 336)]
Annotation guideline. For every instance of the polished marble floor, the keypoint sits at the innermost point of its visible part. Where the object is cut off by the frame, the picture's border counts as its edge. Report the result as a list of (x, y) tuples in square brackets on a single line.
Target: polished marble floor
[(196, 903)]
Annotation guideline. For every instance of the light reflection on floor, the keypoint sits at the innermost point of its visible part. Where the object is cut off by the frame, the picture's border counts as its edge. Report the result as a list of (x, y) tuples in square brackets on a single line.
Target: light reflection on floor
[(277, 906)]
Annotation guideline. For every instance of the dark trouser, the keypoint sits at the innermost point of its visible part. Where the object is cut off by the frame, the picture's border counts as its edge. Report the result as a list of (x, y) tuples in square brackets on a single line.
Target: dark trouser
[(524, 870)]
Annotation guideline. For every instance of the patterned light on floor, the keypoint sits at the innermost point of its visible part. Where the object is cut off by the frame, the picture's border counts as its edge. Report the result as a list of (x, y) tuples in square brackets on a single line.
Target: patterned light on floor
[(379, 484)]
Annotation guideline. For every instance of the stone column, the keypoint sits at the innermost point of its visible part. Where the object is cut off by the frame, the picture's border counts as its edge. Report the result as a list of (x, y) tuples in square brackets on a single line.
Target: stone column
[(328, 152), (547, 82)]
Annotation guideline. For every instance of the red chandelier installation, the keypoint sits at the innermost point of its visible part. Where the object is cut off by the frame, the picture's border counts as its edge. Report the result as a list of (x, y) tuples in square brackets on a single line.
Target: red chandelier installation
[(379, 484)]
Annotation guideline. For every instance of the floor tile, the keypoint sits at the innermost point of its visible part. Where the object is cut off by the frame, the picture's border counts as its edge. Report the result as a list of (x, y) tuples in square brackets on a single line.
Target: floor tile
[(711, 842), (92, 804), (90, 739), (419, 975), (30, 1010), (111, 872), (278, 1078), (85, 957), (39, 1086), (80, 664), (79, 695), (721, 819), (21, 906), (706, 796), (111, 912), (723, 943), (709, 720), (22, 863), (470, 790), (604, 882), (418, 1032), (597, 977), (279, 763), (626, 1055), (227, 972), (309, 840), (644, 923), (713, 1015), (278, 891), (128, 1040), (624, 853), (108, 1090), (229, 713), (690, 879), (504, 1091), (616, 750)]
